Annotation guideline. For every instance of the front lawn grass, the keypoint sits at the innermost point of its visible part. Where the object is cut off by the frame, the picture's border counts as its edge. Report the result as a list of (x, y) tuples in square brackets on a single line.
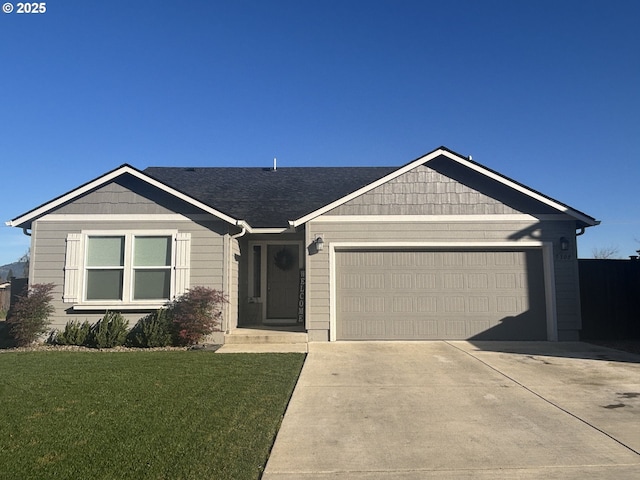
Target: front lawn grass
[(155, 415)]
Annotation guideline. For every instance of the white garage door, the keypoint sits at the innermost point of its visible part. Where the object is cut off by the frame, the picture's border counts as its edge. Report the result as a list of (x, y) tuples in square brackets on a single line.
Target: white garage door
[(423, 295)]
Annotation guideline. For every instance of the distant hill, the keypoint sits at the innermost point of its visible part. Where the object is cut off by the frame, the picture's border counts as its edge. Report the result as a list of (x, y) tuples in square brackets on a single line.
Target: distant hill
[(17, 268)]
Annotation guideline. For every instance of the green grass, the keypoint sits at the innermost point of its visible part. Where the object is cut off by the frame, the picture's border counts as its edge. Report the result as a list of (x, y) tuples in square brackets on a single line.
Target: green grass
[(142, 415)]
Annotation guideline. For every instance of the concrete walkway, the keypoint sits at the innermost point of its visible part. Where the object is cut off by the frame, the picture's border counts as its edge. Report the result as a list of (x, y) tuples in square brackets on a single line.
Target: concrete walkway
[(461, 410)]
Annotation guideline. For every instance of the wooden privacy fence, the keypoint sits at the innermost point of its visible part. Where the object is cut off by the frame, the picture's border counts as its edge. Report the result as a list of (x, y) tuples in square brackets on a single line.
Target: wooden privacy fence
[(610, 299), (5, 297), (18, 287)]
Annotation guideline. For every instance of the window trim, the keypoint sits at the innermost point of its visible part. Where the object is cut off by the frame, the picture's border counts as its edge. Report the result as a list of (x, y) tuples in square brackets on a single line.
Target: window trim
[(76, 268)]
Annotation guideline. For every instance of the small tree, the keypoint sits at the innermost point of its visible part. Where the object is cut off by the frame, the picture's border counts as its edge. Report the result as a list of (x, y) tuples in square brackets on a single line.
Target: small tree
[(605, 252), (196, 314), (29, 317), (25, 259)]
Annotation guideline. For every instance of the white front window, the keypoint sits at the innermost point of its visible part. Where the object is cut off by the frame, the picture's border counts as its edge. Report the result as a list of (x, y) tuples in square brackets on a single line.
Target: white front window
[(126, 268)]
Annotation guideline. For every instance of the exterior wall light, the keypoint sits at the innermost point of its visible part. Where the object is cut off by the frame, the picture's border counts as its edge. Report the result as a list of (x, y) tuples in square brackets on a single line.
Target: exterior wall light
[(319, 244), (564, 244)]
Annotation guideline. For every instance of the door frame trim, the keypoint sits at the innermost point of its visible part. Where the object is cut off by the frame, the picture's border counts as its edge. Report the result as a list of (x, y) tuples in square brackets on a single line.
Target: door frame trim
[(547, 265), (262, 297)]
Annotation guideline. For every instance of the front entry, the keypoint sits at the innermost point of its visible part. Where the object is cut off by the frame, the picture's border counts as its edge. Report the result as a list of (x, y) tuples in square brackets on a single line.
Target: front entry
[(275, 281)]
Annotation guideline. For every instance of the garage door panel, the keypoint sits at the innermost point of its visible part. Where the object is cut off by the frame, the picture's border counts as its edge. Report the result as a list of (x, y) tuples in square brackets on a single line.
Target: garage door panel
[(440, 295), (426, 328), (478, 305), (427, 304)]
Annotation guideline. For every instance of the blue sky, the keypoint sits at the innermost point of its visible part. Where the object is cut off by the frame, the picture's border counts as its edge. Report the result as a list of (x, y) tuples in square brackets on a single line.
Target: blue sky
[(545, 92)]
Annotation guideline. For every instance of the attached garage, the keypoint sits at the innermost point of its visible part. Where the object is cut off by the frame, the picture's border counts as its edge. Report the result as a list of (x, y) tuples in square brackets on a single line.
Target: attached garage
[(440, 293)]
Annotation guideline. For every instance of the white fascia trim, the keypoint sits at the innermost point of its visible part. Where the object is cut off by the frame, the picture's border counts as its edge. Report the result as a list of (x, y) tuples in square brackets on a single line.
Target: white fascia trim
[(547, 259), (107, 178), (436, 218), (541, 198), (426, 158)]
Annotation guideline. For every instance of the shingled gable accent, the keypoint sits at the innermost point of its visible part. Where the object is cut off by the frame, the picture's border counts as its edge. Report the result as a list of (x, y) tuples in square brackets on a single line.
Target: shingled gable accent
[(443, 151), (106, 178)]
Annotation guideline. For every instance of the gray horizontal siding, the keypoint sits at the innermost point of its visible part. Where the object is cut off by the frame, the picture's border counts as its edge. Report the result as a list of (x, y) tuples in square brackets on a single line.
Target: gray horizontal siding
[(49, 249)]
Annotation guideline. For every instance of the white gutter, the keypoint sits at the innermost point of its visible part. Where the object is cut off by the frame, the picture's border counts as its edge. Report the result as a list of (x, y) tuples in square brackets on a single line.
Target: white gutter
[(244, 226)]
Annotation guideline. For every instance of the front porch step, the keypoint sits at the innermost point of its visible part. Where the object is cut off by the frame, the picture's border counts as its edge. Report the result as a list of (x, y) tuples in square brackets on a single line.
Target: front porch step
[(250, 336)]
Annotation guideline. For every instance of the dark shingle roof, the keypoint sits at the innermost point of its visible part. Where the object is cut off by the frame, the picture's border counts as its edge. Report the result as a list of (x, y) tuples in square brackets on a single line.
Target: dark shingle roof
[(264, 197)]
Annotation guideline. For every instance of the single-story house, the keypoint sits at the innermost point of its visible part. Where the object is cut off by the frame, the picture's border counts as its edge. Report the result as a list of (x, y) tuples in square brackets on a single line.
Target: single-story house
[(439, 248)]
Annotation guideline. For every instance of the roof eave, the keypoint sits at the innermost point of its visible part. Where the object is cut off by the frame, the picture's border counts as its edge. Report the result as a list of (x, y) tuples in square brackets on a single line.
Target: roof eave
[(576, 214)]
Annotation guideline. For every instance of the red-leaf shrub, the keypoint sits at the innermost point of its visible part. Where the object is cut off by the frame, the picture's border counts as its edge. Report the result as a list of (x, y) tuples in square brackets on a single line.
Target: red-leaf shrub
[(29, 317), (196, 314)]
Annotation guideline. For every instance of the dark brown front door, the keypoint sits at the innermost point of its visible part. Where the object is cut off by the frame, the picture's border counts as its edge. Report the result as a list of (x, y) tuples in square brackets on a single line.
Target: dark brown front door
[(283, 275)]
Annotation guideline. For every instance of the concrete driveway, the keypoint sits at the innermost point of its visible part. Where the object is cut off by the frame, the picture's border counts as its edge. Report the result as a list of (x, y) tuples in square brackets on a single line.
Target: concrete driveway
[(445, 410)]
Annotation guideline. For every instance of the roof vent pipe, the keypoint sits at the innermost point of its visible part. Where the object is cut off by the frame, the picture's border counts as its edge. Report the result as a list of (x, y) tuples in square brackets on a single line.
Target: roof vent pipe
[(274, 164)]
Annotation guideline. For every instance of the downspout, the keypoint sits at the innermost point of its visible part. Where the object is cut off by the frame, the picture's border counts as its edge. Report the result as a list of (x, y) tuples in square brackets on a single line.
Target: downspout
[(29, 263), (244, 227)]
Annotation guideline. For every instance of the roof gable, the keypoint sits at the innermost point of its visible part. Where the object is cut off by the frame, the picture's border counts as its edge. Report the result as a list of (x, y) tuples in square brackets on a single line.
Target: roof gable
[(25, 219), (427, 190), (473, 173)]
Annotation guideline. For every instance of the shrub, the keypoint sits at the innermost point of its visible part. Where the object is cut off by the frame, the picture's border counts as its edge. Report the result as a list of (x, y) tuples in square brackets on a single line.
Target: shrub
[(108, 332), (154, 330), (29, 317), (196, 314), (75, 333)]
